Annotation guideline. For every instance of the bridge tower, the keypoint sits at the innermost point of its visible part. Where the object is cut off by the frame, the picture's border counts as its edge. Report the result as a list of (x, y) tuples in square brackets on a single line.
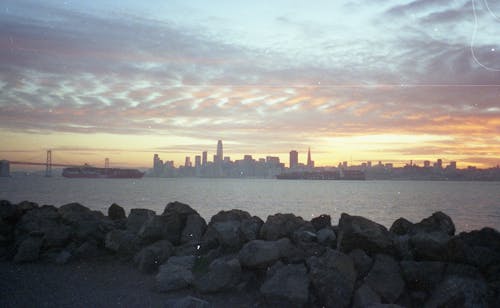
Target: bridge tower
[(48, 164)]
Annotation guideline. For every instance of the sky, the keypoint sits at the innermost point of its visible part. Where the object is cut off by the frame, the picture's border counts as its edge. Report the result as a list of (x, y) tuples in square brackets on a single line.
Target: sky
[(354, 80)]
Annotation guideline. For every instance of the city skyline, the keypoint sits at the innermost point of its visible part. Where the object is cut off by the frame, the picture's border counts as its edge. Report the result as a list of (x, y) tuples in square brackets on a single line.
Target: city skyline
[(395, 81)]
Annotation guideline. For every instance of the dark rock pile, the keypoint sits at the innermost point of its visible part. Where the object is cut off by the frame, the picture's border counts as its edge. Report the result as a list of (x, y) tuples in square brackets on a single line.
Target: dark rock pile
[(284, 260)]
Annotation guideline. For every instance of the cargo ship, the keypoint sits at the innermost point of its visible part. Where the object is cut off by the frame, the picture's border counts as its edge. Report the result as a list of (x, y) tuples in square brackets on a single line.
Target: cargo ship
[(343, 175), (101, 173)]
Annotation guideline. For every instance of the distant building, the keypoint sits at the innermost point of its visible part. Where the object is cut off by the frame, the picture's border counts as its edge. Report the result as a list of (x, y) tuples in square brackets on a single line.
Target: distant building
[(273, 160), (4, 168), (294, 159), (157, 165), (220, 152), (187, 162), (204, 158), (427, 164), (310, 163), (452, 165), (197, 161)]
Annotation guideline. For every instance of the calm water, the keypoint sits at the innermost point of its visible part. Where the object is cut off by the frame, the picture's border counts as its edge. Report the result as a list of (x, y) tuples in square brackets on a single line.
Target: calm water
[(472, 205)]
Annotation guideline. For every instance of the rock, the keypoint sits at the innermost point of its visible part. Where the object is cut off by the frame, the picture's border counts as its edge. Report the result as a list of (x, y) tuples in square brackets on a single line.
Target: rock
[(150, 257), (280, 225), (194, 229), (456, 291), (431, 246), (362, 262), (137, 218), (175, 274), (29, 249), (365, 296), (288, 285), (422, 276), (57, 236), (359, 232), (179, 208), (231, 215), (259, 253), (401, 226), (116, 212), (402, 247), (8, 212), (437, 222), (85, 223), (463, 270), (326, 237), (25, 206), (186, 302), (385, 278), (479, 248), (332, 276), (167, 227), (222, 274), (88, 250), (304, 236), (122, 242), (250, 228), (321, 222), (228, 234), (63, 257)]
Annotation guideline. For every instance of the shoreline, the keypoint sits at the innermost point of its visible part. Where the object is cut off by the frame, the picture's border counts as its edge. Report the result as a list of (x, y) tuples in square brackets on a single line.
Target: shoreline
[(241, 259)]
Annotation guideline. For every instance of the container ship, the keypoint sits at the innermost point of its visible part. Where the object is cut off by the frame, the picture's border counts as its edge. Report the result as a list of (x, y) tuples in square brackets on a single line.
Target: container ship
[(101, 173)]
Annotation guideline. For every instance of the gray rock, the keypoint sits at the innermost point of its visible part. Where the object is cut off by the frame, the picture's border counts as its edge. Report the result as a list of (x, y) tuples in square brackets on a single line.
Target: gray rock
[(149, 258), (116, 212), (321, 222), (228, 233), (402, 247), (437, 222), (57, 236), (280, 225), (88, 250), (365, 296), (259, 253), (456, 291), (122, 242), (85, 223), (385, 278), (401, 226), (289, 284), (63, 257), (8, 212), (422, 275), (362, 262), (326, 236), (137, 218), (175, 274), (231, 215), (179, 208), (29, 249), (186, 302), (359, 232), (304, 236), (332, 276), (432, 246), (250, 228), (222, 274), (194, 229)]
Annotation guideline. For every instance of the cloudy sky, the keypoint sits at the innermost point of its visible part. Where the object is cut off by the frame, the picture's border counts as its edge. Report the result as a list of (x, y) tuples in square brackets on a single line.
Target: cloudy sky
[(390, 80)]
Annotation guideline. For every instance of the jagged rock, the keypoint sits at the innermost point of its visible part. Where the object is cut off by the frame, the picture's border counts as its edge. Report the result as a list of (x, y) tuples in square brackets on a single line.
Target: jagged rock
[(231, 215), (150, 257), (88, 250), (463, 270), (365, 297), (326, 236), (57, 236), (228, 233), (280, 225), (122, 242), (422, 275), (186, 302), (175, 274), (362, 262), (137, 218), (85, 223), (432, 246), (456, 291), (288, 285), (194, 229), (302, 235), (8, 212), (321, 222), (166, 226), (359, 232), (402, 247), (222, 274), (250, 228), (29, 249), (401, 226), (385, 278), (332, 276), (25, 206), (479, 248), (437, 222), (179, 208), (259, 253), (116, 212)]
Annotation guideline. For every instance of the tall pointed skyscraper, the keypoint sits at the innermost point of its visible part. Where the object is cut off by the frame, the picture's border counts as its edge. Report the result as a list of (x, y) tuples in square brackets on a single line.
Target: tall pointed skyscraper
[(310, 163), (220, 153)]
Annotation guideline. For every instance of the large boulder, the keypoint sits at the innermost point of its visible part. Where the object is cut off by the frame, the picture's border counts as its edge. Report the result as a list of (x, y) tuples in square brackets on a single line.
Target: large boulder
[(8, 212), (437, 222), (401, 226), (332, 276), (179, 208), (359, 232), (322, 221), (422, 276), (222, 274), (85, 223), (137, 217), (168, 226), (175, 274), (122, 242), (456, 291), (479, 248), (430, 246), (287, 285), (362, 262), (280, 225), (150, 257), (194, 228), (187, 302), (229, 234), (365, 297), (260, 254), (385, 278), (326, 236), (230, 215), (29, 249), (116, 212), (250, 228)]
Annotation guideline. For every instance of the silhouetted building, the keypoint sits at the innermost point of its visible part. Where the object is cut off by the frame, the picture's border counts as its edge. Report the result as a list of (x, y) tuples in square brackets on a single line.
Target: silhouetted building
[(427, 164), (294, 159), (187, 162), (310, 163), (4, 168), (197, 161), (204, 158), (220, 152), (157, 165)]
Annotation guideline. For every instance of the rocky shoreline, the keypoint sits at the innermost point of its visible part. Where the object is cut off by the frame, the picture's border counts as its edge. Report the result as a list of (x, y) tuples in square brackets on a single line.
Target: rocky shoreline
[(283, 261)]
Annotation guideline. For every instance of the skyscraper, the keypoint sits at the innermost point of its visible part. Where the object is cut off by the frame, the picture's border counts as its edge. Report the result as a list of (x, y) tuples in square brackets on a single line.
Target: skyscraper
[(204, 159), (310, 163), (220, 153), (197, 161), (294, 159)]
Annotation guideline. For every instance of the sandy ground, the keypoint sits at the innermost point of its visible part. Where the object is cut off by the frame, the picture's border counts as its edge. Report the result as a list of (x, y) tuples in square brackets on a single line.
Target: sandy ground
[(104, 283)]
